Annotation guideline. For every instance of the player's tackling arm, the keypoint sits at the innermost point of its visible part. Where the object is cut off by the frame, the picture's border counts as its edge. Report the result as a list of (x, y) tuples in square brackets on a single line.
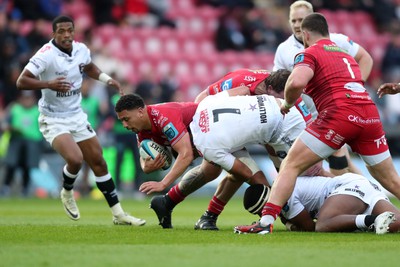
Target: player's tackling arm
[(365, 62), (295, 84)]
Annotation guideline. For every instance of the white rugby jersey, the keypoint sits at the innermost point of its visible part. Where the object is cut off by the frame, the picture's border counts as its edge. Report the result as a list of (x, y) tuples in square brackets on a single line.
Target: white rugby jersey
[(286, 51), (50, 63), (310, 192), (223, 125), (232, 122)]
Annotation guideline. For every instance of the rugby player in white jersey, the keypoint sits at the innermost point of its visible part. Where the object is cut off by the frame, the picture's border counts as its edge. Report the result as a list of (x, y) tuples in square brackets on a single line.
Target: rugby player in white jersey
[(284, 59), (57, 69), (343, 203)]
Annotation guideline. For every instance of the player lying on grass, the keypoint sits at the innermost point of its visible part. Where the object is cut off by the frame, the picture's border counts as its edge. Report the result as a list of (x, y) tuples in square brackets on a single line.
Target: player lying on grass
[(344, 203)]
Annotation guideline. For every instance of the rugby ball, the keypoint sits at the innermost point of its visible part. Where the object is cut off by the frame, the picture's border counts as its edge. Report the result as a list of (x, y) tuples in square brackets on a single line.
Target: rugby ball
[(149, 148)]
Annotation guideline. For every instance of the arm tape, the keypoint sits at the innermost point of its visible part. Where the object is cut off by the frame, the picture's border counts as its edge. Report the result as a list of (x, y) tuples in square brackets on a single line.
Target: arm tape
[(104, 77)]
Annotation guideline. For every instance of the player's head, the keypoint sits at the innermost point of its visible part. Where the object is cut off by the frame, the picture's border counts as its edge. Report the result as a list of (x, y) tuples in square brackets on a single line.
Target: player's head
[(63, 31), (132, 113), (314, 26), (255, 197), (298, 11), (275, 82)]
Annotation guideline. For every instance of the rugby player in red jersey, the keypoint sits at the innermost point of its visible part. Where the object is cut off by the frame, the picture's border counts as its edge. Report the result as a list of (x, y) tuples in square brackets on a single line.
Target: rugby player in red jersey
[(346, 114)]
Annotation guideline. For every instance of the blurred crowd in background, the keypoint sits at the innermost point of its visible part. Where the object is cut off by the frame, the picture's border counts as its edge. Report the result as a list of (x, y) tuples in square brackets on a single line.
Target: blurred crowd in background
[(164, 50)]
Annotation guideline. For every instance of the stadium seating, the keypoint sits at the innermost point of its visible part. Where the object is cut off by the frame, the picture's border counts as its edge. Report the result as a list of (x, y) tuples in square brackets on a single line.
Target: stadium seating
[(189, 51)]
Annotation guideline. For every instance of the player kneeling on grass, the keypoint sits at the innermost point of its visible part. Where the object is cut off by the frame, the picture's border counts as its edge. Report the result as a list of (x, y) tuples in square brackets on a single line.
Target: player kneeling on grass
[(344, 203)]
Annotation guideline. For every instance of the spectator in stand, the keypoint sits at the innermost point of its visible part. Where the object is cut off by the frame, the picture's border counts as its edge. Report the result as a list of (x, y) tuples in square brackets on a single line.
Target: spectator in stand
[(148, 88), (390, 70), (106, 11), (391, 60), (228, 35), (49, 9), (37, 37), (25, 144), (261, 30), (169, 86), (159, 9), (30, 10)]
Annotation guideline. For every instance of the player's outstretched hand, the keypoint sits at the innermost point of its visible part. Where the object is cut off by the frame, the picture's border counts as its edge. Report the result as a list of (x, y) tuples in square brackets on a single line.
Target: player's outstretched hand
[(151, 187), (115, 84), (388, 88)]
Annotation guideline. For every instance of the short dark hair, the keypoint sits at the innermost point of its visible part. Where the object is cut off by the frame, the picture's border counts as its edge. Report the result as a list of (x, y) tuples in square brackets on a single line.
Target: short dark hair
[(129, 102), (60, 19), (277, 79), (316, 22)]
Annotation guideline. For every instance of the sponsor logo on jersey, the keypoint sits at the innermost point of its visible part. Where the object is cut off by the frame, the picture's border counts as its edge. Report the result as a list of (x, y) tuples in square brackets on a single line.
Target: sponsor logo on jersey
[(334, 137), (154, 112), (162, 120), (89, 128), (170, 131), (281, 154), (380, 141), (204, 122), (34, 63), (44, 49), (259, 71), (62, 73), (289, 142), (226, 85), (350, 41), (355, 118), (303, 109), (69, 93), (334, 48), (250, 78), (299, 58), (355, 190), (263, 110), (329, 134), (253, 107)]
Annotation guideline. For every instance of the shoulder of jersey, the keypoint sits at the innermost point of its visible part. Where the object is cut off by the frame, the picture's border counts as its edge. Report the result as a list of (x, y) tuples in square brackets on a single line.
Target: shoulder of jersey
[(150, 148)]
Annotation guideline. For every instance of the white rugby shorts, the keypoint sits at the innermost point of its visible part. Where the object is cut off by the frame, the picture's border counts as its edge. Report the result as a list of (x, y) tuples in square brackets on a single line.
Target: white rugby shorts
[(77, 125), (363, 190)]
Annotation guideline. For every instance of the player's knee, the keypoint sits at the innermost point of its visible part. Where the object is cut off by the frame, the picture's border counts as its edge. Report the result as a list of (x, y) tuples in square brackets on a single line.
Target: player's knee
[(338, 163), (258, 178)]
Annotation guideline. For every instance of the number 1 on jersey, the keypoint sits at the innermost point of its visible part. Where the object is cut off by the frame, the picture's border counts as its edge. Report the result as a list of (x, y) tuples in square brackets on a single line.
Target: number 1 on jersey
[(349, 67)]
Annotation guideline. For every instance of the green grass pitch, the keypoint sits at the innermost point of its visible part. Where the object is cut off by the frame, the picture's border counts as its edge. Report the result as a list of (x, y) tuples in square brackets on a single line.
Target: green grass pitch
[(36, 232)]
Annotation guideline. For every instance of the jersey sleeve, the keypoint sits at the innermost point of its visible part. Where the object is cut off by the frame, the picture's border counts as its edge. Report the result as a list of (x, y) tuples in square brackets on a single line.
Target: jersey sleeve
[(39, 62), (279, 62), (304, 59), (344, 42)]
